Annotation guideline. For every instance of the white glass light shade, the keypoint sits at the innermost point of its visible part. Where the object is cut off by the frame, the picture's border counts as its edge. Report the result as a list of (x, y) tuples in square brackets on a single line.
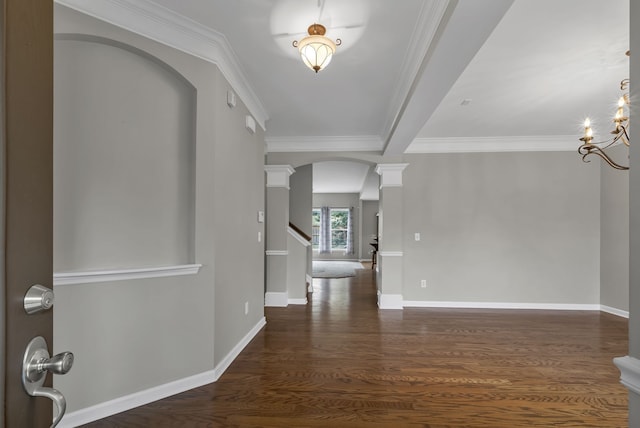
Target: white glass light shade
[(316, 51)]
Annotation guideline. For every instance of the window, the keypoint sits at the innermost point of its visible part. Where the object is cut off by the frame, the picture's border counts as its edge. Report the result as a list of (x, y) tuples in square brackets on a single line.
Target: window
[(332, 232), (339, 224), (315, 228)]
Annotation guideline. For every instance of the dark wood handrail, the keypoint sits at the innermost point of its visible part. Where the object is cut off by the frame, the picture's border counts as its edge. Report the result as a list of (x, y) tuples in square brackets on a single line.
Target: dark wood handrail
[(299, 231)]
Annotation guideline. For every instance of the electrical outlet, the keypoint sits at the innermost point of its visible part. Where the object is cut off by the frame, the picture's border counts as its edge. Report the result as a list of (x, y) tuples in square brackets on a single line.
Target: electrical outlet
[(423, 283), (416, 236), (246, 308), (259, 236)]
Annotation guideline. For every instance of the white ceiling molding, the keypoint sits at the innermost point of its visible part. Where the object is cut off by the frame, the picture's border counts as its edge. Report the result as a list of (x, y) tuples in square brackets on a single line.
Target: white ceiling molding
[(157, 23), (424, 32), (365, 143), (553, 143)]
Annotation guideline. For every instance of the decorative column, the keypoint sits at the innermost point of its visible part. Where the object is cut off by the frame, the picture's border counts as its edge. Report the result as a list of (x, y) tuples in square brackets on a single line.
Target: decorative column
[(630, 365), (277, 234), (391, 218)]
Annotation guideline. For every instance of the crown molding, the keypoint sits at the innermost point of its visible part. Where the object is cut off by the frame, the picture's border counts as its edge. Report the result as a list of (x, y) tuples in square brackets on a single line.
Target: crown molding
[(360, 143), (429, 18), (553, 143), (148, 19)]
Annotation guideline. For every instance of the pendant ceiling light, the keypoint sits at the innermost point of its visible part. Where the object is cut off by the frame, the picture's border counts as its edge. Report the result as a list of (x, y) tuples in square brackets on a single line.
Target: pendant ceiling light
[(315, 49)]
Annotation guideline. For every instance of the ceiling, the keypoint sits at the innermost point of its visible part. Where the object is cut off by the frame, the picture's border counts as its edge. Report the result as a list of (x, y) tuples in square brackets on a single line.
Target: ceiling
[(412, 75)]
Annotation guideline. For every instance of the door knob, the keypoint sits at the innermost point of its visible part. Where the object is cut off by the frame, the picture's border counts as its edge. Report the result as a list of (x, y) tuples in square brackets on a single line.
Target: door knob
[(58, 364), (38, 298), (35, 365)]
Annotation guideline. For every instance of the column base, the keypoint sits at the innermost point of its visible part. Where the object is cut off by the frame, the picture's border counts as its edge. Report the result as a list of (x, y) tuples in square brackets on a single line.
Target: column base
[(390, 301)]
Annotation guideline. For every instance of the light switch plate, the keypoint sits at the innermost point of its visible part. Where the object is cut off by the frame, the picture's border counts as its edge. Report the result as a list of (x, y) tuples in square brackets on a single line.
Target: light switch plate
[(231, 99), (260, 216), (250, 124)]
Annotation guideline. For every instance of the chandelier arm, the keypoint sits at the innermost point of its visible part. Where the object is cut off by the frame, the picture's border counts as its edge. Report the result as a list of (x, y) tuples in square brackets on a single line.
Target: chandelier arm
[(603, 145), (590, 149), (623, 134)]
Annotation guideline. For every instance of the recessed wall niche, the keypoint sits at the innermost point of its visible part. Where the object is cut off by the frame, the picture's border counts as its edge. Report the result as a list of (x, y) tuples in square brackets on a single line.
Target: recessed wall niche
[(124, 158)]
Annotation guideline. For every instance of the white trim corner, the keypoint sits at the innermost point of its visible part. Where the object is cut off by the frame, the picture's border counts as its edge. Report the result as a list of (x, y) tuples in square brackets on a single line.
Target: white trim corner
[(629, 372), (223, 365), (614, 311)]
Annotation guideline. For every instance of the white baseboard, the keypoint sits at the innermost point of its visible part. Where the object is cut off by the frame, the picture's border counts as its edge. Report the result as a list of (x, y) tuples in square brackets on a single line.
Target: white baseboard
[(629, 372), (390, 301), (280, 300), (500, 305), (614, 311), (223, 365), (131, 401), (298, 301)]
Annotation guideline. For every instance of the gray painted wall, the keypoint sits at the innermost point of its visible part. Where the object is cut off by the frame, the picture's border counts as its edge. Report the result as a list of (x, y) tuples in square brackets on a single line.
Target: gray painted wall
[(301, 197), (614, 232), (301, 203), (145, 333), (238, 195), (502, 227), (340, 200), (369, 222), (124, 191)]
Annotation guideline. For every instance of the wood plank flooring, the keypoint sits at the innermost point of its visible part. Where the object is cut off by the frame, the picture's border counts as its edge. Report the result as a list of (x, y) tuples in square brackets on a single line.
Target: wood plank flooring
[(341, 362)]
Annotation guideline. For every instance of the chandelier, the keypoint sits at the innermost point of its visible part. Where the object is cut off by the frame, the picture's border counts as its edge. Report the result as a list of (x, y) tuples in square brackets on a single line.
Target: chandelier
[(315, 49), (620, 134)]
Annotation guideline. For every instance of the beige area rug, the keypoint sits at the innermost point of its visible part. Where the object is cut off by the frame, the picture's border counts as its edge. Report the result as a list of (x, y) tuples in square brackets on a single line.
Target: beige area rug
[(334, 269)]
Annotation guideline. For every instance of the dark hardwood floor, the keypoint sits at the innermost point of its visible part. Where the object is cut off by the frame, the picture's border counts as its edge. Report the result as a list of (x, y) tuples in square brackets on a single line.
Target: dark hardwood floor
[(341, 362)]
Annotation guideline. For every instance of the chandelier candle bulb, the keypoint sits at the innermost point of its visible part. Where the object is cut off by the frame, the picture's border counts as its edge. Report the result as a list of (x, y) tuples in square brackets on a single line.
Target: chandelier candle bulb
[(588, 132)]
